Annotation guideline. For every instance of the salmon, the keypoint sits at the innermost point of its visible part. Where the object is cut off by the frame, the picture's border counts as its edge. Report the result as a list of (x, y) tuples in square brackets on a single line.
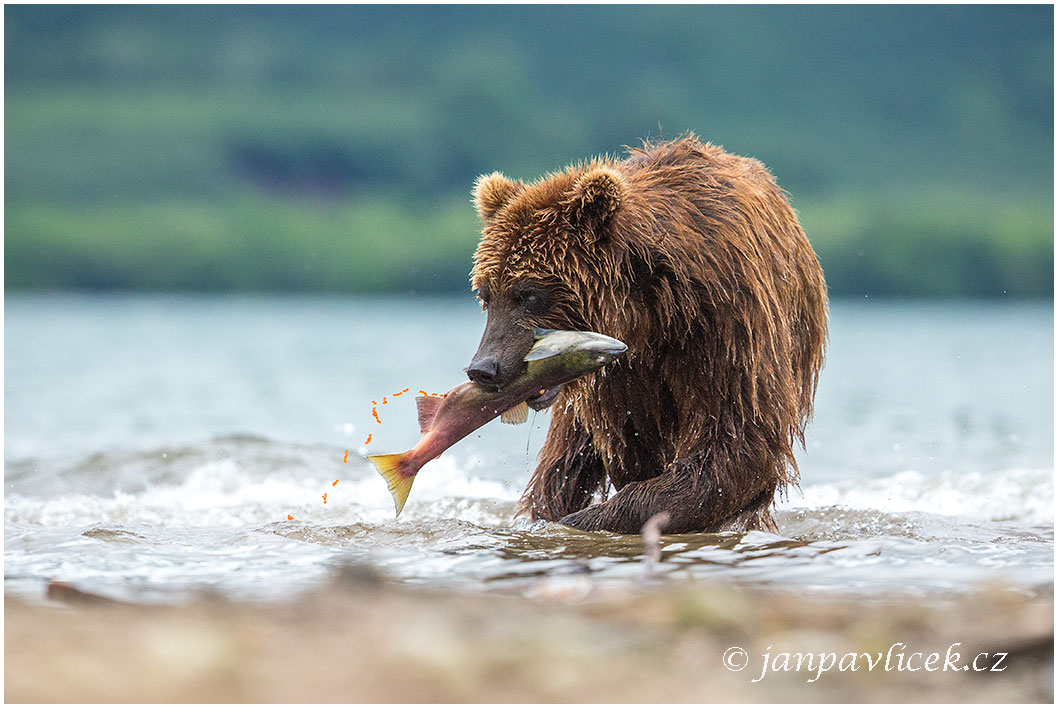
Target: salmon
[(556, 358)]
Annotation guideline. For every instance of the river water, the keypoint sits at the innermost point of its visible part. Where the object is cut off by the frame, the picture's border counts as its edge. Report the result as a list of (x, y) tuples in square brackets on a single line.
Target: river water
[(159, 446)]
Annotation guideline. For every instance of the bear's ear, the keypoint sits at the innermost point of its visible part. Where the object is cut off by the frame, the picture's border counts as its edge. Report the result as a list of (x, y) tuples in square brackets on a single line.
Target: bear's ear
[(492, 192), (595, 198)]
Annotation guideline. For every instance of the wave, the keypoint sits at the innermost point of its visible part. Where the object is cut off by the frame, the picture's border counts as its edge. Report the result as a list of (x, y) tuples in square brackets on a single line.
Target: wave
[(246, 480), (236, 481), (1024, 496), (247, 516)]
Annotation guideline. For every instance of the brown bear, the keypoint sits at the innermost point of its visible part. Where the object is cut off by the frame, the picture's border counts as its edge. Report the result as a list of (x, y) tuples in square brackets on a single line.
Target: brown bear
[(695, 259)]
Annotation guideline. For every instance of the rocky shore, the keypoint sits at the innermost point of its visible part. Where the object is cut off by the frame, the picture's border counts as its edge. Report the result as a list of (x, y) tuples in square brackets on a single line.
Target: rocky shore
[(361, 638)]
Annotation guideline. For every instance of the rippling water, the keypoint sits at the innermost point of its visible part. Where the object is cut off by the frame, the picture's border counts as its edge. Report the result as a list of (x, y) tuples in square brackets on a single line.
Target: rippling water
[(157, 446)]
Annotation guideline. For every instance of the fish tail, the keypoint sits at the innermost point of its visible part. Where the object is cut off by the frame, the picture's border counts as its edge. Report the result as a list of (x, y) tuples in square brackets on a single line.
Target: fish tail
[(391, 469)]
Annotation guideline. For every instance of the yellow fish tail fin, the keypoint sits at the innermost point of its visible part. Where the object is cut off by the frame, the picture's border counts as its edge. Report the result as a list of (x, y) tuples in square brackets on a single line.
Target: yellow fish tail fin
[(390, 468)]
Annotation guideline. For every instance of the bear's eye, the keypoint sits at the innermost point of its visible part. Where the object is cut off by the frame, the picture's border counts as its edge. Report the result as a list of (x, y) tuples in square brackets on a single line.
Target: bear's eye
[(534, 302)]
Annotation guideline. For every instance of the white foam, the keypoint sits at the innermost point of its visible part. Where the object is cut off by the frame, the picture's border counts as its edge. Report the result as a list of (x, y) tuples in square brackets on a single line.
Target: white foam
[(231, 490), (225, 493), (1019, 495)]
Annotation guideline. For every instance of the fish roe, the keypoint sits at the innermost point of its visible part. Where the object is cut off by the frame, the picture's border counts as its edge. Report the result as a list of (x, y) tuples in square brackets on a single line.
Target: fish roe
[(347, 453), (325, 498), (334, 483), (368, 438), (289, 517)]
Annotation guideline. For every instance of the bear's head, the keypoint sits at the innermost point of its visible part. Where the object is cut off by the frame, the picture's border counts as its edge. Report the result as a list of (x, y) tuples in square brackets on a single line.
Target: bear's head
[(547, 258)]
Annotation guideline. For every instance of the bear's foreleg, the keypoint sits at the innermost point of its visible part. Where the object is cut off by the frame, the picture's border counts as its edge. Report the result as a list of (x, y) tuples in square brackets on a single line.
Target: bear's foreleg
[(569, 474), (691, 496)]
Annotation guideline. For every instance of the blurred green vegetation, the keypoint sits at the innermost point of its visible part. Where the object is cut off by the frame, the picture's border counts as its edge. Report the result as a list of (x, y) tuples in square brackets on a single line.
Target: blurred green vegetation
[(334, 147)]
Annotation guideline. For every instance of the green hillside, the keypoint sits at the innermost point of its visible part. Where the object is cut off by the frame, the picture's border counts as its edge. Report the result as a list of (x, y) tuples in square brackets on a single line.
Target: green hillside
[(334, 147)]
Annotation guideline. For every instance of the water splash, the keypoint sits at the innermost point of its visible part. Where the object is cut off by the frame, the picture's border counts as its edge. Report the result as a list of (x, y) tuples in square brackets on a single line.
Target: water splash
[(216, 515)]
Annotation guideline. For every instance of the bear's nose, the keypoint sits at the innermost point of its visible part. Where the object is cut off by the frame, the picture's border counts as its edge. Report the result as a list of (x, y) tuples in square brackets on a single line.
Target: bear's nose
[(484, 371)]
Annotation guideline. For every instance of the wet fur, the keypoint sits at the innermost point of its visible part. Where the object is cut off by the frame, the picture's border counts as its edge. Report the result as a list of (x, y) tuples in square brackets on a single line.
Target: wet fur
[(695, 259)]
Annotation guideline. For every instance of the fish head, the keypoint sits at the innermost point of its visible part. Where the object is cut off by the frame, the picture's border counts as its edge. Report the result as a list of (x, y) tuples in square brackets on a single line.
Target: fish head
[(576, 352), (591, 351), (566, 355)]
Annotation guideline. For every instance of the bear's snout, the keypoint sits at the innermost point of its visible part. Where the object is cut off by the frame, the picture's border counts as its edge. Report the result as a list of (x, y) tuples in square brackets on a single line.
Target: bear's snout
[(484, 371), (503, 346)]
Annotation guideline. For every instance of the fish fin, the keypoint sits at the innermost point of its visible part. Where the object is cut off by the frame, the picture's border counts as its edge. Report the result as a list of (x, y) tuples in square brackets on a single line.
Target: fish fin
[(389, 467), (516, 414), (541, 332), (427, 406)]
